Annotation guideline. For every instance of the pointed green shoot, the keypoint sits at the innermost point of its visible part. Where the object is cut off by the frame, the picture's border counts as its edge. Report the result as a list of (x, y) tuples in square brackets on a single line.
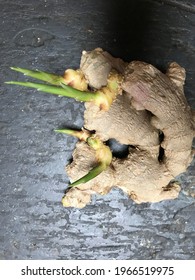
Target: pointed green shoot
[(102, 98), (66, 91), (103, 156), (43, 76), (89, 176), (83, 135), (103, 153)]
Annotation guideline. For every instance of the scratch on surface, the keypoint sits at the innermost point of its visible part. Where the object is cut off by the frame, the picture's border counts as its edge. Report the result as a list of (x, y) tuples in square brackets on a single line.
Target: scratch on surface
[(181, 209), (184, 6)]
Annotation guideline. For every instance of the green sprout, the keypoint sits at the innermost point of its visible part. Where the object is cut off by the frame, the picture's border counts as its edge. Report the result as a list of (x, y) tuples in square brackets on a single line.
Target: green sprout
[(102, 98), (103, 153)]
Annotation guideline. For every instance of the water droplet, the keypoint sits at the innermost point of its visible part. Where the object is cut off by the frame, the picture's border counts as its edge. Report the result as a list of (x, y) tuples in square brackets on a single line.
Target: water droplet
[(33, 37)]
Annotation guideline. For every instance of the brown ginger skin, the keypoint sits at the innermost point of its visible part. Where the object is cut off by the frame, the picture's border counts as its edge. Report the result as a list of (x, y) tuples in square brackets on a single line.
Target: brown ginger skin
[(152, 103), (122, 119), (95, 68), (141, 176), (163, 95), (120, 123)]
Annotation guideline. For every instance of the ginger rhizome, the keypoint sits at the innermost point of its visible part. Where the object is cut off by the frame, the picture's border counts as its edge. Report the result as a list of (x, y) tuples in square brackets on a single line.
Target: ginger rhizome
[(135, 104)]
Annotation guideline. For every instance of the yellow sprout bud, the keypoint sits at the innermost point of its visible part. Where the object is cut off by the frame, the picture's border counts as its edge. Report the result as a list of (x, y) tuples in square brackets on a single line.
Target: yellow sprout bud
[(75, 79)]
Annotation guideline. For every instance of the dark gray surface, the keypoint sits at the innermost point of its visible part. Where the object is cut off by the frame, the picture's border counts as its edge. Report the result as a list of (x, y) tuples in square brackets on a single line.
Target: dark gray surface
[(50, 35)]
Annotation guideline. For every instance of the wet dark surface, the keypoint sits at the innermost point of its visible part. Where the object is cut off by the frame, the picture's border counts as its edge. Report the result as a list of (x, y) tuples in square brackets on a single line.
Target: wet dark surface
[(50, 35)]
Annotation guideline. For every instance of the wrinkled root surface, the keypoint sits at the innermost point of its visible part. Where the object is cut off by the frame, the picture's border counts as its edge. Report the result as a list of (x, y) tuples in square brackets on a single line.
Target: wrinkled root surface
[(151, 115)]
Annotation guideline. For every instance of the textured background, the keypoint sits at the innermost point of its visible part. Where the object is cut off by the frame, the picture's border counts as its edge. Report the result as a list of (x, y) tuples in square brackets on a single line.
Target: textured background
[(50, 35)]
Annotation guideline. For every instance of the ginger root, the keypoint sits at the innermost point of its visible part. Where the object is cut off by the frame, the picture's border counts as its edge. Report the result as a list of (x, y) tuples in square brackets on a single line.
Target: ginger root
[(135, 104), (152, 114)]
